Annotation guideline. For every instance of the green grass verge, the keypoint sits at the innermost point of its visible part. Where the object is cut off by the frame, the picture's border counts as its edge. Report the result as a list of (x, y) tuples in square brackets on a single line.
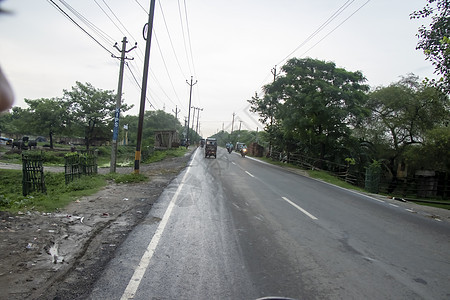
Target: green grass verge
[(327, 177), (58, 194), (161, 155)]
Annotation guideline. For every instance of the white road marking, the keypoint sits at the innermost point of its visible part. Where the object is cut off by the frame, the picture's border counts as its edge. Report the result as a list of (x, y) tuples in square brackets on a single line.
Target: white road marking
[(139, 272), (299, 208), (393, 205), (250, 174)]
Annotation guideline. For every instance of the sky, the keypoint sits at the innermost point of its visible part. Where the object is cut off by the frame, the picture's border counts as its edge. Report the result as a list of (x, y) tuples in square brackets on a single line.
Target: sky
[(228, 47)]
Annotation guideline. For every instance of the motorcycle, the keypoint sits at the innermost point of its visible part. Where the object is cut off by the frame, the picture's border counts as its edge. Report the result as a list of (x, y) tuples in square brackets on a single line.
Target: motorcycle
[(243, 152), (229, 149)]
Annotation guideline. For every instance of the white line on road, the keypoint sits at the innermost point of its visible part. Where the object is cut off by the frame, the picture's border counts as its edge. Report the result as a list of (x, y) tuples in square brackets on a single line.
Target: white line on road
[(139, 272), (393, 205), (299, 208), (250, 174)]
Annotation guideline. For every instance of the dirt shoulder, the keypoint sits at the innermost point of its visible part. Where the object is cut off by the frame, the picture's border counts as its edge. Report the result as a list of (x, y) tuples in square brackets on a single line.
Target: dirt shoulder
[(59, 255)]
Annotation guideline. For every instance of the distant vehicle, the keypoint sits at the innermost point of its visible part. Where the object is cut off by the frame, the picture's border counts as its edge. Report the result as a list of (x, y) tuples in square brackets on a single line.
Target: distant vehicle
[(211, 147), (5, 141), (243, 152), (239, 146), (202, 143)]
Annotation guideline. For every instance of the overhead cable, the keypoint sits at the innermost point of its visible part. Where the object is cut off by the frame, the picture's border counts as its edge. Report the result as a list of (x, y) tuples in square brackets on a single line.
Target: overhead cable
[(170, 39), (71, 19), (328, 21)]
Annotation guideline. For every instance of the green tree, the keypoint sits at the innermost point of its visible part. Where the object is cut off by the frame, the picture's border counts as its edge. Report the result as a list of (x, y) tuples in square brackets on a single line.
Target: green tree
[(402, 114), (435, 40), (92, 111), (318, 105), (47, 115), (433, 153)]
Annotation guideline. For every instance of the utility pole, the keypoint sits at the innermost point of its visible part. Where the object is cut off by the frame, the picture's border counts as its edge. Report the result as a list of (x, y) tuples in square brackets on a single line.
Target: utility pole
[(198, 115), (176, 111), (189, 113), (193, 117), (274, 72), (112, 168), (137, 155), (232, 124)]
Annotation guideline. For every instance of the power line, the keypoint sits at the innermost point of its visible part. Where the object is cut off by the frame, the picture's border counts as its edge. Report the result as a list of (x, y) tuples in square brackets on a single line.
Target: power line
[(137, 83), (328, 21), (79, 26), (170, 39), (106, 14), (119, 20), (189, 36), (184, 37), (89, 24), (320, 28), (339, 25)]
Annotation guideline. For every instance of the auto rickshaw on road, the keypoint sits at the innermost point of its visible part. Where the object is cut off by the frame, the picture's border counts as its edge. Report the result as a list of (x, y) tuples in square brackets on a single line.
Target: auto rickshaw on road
[(211, 147)]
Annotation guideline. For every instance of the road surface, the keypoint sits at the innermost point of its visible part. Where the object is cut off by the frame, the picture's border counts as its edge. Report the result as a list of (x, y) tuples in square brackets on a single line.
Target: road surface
[(236, 228)]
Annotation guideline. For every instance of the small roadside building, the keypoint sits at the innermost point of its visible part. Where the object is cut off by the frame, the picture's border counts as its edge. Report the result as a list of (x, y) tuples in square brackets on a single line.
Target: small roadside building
[(166, 139)]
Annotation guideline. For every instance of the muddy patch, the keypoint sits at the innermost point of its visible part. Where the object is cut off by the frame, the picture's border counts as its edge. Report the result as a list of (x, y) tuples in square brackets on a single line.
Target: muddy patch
[(60, 255)]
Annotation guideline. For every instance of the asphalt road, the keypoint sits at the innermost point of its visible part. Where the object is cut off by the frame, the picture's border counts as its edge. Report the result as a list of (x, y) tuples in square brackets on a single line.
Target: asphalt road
[(235, 228)]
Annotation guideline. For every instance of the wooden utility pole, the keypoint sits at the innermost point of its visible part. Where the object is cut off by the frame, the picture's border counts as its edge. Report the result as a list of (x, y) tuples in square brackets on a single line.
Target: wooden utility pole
[(118, 103), (137, 155)]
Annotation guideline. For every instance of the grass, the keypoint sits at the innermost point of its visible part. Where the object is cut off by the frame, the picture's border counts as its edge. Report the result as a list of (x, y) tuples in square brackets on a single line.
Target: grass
[(327, 177), (161, 155), (58, 194)]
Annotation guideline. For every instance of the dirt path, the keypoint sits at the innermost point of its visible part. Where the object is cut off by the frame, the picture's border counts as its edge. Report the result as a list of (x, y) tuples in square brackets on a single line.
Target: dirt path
[(60, 255)]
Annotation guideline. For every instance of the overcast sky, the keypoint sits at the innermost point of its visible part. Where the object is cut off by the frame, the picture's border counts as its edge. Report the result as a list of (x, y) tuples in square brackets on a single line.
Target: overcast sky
[(229, 47)]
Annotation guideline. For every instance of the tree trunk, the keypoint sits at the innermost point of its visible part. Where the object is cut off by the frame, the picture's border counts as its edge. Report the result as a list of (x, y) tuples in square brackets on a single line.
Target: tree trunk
[(51, 139)]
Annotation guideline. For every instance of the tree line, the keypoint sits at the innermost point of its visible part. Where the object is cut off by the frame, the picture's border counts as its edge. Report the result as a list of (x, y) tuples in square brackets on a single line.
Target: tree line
[(319, 110), (86, 112)]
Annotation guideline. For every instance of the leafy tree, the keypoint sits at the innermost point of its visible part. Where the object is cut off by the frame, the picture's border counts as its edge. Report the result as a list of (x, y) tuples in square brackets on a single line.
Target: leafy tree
[(402, 114), (91, 110), (47, 115), (6, 121), (267, 108), (433, 153), (435, 40), (318, 105)]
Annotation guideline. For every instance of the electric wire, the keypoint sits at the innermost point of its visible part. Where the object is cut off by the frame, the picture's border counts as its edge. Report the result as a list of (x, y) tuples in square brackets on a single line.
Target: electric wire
[(137, 83), (119, 21), (170, 39), (107, 15), (79, 26), (167, 72), (331, 18), (189, 36), (321, 27), (184, 37), (339, 25), (108, 39)]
